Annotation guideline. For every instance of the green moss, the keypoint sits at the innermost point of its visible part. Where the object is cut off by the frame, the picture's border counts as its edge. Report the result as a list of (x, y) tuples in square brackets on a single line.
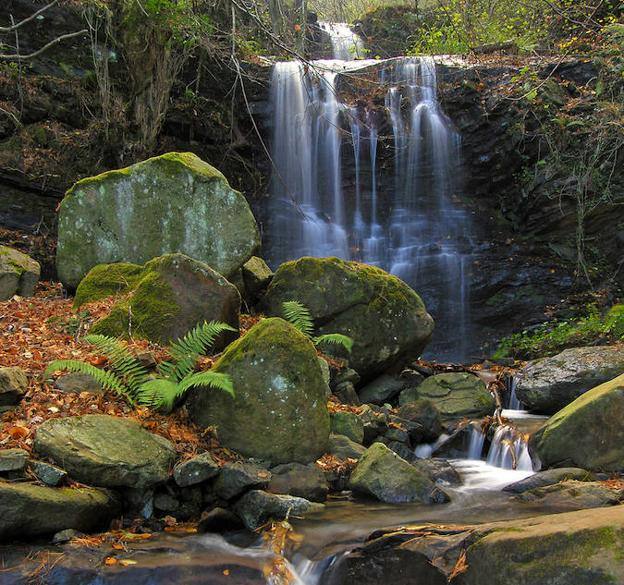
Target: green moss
[(107, 280)]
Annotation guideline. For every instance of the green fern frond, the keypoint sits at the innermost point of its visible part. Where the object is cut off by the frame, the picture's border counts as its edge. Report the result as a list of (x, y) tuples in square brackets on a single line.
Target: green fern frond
[(122, 362), (298, 316), (107, 380), (158, 393), (215, 380), (335, 339)]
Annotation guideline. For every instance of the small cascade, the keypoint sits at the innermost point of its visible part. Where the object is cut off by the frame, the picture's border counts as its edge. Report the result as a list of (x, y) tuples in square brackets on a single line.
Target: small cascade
[(509, 450), (476, 443), (346, 45), (513, 403)]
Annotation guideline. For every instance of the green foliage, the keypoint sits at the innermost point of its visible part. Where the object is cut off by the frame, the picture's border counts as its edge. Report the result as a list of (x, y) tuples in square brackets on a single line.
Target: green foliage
[(107, 380), (553, 337), (298, 315)]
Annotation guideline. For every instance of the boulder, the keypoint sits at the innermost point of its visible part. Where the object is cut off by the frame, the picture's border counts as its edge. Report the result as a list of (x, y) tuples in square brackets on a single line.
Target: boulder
[(13, 386), (19, 274), (382, 474), (13, 459), (195, 470), (240, 476), (548, 477), (549, 384), (423, 412), (256, 508), (279, 412), (588, 433), (30, 510), (75, 383), (455, 395), (348, 297), (106, 451), (344, 448), (170, 296), (348, 424), (170, 203), (256, 276), (382, 389), (573, 495), (296, 479)]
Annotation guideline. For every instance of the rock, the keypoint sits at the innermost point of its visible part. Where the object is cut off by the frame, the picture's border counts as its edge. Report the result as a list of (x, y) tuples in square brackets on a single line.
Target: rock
[(19, 274), (30, 510), (239, 477), (382, 389), (399, 435), (196, 470), (256, 276), (344, 448), (347, 297), (439, 470), (455, 395), (106, 451), (13, 459), (325, 371), (382, 474), (65, 536), (401, 449), (170, 203), (76, 383), (549, 384), (548, 477), (171, 295), (425, 413), (587, 433), (296, 479), (219, 520), (346, 393), (13, 386), (47, 473), (573, 495), (279, 412), (256, 508), (347, 424)]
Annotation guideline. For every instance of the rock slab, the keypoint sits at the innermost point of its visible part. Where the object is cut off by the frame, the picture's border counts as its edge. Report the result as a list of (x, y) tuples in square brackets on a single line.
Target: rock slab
[(19, 274)]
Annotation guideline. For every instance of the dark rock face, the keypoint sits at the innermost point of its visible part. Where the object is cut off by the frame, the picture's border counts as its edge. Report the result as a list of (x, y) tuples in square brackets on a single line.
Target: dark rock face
[(296, 479)]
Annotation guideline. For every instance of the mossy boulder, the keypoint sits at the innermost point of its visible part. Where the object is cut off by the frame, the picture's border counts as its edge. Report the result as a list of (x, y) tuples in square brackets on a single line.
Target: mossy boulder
[(454, 394), (588, 433), (386, 319), (162, 300), (348, 424), (30, 510), (170, 203), (106, 451), (19, 274), (256, 276), (549, 384), (279, 412)]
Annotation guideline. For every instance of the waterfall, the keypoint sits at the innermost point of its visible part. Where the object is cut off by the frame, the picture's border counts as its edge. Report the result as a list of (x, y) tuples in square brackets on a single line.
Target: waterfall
[(346, 45)]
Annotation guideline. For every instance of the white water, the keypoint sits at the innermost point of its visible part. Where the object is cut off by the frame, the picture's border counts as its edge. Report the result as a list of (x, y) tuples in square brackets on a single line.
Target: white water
[(346, 45)]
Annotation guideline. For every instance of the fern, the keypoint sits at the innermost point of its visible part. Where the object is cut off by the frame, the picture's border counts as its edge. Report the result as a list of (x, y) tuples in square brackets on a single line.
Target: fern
[(298, 316), (107, 380), (335, 339)]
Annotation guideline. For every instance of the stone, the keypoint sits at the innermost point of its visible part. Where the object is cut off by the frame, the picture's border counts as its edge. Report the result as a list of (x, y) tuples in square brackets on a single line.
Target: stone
[(171, 295), (549, 384), (399, 435), (573, 495), (382, 474), (455, 395), (279, 412), (106, 451), (425, 413), (256, 276), (30, 510), (170, 203), (344, 448), (346, 393), (257, 507), (348, 297), (65, 536), (296, 479), (196, 470), (47, 473), (13, 386), (13, 459), (348, 424), (548, 477), (382, 389), (239, 477), (219, 520), (19, 274), (75, 383), (588, 433), (439, 470)]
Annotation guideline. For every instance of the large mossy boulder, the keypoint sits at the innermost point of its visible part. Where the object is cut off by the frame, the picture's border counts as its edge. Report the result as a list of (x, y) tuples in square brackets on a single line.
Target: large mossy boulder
[(454, 394), (106, 451), (19, 274), (30, 510), (170, 203), (588, 433), (385, 318), (279, 412), (549, 384), (162, 300)]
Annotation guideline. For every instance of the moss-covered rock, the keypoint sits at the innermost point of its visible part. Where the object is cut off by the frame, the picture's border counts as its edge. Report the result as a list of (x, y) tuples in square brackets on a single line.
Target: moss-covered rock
[(588, 433), (170, 203), (279, 412), (256, 276), (162, 300), (348, 424), (19, 274), (385, 318)]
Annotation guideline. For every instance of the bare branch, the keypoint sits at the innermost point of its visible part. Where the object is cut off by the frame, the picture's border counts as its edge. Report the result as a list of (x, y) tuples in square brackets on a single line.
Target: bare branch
[(56, 41), (8, 29)]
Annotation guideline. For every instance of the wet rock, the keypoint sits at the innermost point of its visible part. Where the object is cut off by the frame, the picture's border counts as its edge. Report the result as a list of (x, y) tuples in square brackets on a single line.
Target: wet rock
[(181, 503), (344, 448), (239, 477), (170, 203), (439, 470), (346, 393), (196, 470), (279, 412), (549, 477), (573, 495), (76, 383), (29, 510), (65, 536), (13, 386), (382, 474), (256, 276), (425, 413), (347, 297), (19, 274), (105, 450), (382, 389), (13, 459), (401, 449), (348, 424), (395, 434), (219, 520), (549, 384), (296, 479), (257, 507), (47, 473)]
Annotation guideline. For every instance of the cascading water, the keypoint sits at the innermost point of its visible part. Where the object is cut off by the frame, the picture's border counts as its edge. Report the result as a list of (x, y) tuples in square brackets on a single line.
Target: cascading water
[(346, 45)]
